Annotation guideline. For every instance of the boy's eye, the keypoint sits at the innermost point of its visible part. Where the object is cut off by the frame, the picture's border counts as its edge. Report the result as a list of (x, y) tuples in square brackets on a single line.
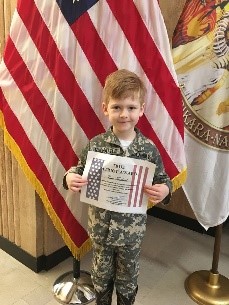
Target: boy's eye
[(115, 107), (132, 108)]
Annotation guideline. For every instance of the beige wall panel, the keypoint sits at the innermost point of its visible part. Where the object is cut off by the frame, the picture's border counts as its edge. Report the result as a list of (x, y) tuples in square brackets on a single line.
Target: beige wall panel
[(5, 226), (7, 16), (9, 194), (179, 205), (28, 216), (2, 182), (52, 239), (13, 4), (40, 234), (16, 206)]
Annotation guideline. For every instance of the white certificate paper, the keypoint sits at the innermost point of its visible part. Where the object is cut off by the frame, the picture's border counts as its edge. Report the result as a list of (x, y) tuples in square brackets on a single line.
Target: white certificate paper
[(116, 183)]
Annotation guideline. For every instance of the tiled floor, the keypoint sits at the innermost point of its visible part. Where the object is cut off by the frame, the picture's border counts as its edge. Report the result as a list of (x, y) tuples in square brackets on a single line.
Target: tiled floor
[(170, 253)]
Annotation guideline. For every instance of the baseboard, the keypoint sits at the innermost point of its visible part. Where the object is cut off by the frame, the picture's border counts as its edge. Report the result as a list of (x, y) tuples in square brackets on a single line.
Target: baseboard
[(180, 220), (36, 264)]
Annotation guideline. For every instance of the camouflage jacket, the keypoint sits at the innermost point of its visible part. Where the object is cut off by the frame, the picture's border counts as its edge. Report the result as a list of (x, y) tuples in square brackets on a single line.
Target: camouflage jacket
[(112, 227)]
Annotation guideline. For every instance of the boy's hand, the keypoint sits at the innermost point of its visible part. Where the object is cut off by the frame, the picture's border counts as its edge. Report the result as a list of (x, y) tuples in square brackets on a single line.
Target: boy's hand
[(75, 182), (156, 192)]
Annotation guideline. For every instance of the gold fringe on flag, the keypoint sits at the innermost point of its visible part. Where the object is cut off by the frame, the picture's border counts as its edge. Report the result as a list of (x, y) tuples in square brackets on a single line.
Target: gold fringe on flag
[(179, 180), (78, 253)]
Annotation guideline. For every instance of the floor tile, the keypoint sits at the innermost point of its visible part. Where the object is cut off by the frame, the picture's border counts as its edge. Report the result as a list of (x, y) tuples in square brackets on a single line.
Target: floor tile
[(169, 255)]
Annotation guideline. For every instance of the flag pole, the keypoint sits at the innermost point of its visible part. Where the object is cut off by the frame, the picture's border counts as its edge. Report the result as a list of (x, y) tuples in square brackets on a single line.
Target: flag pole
[(74, 287), (209, 287)]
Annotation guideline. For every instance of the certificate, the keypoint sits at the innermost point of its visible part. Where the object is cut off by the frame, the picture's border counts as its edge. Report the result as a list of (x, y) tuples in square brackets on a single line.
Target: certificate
[(116, 183)]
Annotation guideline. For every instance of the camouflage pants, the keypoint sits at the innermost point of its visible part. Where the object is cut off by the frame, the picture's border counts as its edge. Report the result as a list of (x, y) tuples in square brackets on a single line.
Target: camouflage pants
[(116, 265)]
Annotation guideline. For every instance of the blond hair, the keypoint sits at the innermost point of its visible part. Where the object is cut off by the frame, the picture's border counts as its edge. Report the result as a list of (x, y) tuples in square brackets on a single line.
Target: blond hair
[(121, 84)]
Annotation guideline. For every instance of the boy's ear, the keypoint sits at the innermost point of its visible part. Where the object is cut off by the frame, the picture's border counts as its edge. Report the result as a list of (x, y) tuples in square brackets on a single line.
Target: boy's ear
[(142, 109), (104, 106)]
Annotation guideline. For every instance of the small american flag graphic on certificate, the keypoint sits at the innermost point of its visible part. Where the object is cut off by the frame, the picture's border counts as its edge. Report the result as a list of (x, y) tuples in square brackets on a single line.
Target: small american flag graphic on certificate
[(138, 182), (94, 178)]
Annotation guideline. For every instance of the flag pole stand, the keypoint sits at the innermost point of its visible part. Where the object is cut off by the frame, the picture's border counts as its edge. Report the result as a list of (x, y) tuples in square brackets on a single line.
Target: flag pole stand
[(209, 287), (74, 287)]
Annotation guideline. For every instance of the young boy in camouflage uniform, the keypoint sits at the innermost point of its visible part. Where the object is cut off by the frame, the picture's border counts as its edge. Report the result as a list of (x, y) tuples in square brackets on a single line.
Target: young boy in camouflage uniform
[(117, 237)]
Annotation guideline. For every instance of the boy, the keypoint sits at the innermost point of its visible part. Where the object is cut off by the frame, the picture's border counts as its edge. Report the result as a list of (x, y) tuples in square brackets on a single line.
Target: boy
[(117, 237)]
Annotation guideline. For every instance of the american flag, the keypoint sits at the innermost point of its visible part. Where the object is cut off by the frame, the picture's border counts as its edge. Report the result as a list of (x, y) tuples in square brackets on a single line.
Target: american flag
[(55, 63)]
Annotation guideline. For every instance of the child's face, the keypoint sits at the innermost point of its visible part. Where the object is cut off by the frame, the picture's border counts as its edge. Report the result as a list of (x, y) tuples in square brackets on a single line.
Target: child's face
[(123, 115)]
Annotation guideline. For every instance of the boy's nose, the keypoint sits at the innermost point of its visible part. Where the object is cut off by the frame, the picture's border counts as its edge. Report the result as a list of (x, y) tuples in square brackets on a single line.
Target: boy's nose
[(123, 113)]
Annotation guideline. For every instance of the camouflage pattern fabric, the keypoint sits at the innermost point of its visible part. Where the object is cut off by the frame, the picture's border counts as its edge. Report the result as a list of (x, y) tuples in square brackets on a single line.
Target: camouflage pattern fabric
[(118, 265)]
